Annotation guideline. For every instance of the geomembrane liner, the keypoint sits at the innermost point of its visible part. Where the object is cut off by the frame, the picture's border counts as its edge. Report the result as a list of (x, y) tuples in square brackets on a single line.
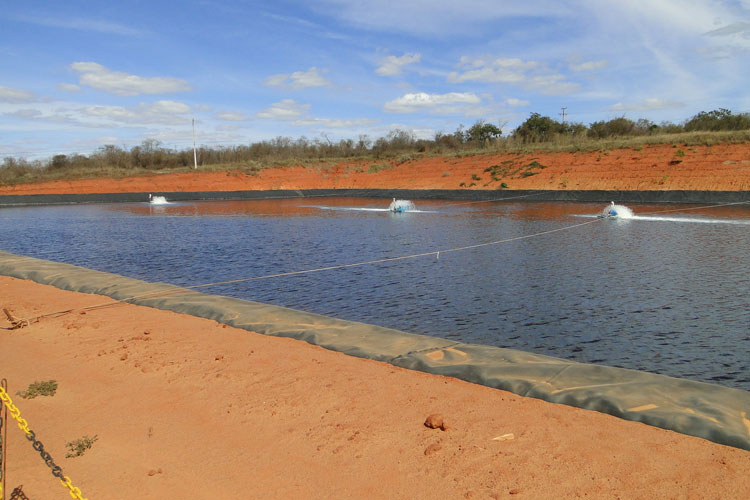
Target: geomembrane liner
[(717, 413)]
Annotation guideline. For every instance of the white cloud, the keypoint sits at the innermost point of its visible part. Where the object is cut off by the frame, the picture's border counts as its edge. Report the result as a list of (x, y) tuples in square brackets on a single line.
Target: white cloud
[(159, 112), (105, 116), (512, 102), (734, 28), (17, 96), (333, 123), (26, 114), (434, 17), (513, 71), (232, 116), (732, 37), (286, 110), (589, 65), (37, 115), (552, 84), (646, 105), (229, 127), (420, 101), (500, 70), (96, 142), (82, 24), (68, 87), (299, 79), (116, 82), (298, 115), (392, 65)]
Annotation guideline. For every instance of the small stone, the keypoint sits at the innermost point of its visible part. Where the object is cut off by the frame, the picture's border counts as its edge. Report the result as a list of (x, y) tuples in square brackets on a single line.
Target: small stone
[(147, 332), (219, 357), (82, 312), (433, 448), (124, 357), (435, 421), (514, 491)]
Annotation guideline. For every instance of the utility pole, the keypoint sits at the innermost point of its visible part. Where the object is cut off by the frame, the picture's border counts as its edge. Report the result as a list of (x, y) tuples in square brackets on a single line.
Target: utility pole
[(563, 114), (195, 155)]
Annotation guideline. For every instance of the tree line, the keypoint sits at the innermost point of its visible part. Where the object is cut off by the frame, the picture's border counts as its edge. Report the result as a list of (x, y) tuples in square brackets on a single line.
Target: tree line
[(151, 155)]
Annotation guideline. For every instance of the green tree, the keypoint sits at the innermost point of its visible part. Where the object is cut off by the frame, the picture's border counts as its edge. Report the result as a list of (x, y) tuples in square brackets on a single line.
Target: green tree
[(718, 119), (616, 127), (538, 128), (481, 132), (58, 162)]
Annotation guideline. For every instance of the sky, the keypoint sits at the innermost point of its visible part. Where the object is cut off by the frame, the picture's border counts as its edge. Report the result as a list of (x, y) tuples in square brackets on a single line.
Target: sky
[(77, 75)]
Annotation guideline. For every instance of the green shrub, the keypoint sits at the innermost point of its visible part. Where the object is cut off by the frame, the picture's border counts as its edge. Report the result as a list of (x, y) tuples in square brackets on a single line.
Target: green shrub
[(79, 446), (377, 167), (47, 388)]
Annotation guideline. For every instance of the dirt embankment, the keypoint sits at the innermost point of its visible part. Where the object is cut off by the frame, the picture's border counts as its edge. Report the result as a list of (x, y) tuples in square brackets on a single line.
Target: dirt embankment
[(664, 167), (184, 407)]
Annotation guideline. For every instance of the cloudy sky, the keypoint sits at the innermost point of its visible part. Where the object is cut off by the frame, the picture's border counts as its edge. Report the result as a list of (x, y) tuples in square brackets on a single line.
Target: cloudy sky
[(76, 75)]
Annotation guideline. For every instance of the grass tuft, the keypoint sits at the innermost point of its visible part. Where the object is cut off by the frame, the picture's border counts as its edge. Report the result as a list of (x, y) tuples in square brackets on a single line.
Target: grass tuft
[(79, 446), (46, 388)]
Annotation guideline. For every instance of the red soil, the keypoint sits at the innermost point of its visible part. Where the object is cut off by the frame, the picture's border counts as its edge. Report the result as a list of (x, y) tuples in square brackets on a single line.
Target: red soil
[(713, 168), (184, 407)]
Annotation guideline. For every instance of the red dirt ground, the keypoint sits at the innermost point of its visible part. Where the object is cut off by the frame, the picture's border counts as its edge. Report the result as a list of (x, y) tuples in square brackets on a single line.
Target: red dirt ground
[(713, 168), (184, 407)]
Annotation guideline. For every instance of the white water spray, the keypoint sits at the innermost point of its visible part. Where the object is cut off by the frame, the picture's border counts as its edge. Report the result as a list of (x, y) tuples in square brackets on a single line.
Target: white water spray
[(401, 205), (157, 200), (619, 211)]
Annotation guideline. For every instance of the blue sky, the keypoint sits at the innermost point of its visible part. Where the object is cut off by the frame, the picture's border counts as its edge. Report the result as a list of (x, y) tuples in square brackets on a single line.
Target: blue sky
[(77, 75)]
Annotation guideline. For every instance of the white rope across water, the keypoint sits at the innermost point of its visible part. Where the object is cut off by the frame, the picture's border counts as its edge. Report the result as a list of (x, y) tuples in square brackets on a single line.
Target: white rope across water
[(435, 253)]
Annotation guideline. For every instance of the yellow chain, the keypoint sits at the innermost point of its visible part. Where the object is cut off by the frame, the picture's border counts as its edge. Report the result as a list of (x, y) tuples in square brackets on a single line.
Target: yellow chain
[(14, 411), (74, 492), (24, 425)]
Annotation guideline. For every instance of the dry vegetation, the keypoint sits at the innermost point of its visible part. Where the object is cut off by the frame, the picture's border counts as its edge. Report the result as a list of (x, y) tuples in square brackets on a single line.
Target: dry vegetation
[(537, 134)]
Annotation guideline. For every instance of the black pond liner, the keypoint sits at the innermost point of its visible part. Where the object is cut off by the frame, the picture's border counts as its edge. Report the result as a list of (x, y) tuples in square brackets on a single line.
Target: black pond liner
[(410, 194), (713, 412)]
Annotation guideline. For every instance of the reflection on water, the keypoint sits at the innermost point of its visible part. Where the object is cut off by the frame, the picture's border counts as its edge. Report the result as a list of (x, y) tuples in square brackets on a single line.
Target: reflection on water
[(665, 292)]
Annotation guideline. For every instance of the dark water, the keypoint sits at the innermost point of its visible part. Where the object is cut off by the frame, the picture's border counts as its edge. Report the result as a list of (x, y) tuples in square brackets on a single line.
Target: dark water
[(667, 292)]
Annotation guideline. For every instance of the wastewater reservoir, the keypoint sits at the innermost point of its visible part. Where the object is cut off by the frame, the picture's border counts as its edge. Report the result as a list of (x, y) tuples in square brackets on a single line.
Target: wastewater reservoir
[(662, 288)]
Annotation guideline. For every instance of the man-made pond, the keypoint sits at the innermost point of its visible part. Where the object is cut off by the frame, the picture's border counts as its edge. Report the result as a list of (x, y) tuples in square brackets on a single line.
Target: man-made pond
[(666, 292)]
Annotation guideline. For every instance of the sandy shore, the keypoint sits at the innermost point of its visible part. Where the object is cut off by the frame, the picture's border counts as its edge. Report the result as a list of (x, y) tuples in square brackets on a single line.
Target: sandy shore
[(187, 408), (723, 167)]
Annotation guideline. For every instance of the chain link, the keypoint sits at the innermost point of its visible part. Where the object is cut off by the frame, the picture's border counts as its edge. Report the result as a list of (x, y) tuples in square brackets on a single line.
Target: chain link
[(14, 412), (18, 494), (2, 455), (74, 492), (38, 446)]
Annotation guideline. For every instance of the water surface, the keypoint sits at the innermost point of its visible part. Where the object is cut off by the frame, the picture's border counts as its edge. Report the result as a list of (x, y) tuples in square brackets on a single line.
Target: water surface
[(664, 292)]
